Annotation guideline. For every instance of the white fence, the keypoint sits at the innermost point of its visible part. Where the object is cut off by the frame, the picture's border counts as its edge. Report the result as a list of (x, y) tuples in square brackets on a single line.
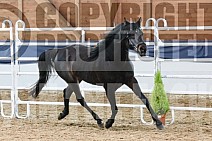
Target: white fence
[(15, 73)]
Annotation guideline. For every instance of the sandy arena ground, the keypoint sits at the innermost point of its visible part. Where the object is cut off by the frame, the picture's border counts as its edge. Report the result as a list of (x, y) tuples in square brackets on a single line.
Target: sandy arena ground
[(79, 125)]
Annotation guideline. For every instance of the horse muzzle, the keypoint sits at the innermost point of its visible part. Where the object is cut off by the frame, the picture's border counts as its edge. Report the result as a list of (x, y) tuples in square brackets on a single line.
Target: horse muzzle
[(141, 49)]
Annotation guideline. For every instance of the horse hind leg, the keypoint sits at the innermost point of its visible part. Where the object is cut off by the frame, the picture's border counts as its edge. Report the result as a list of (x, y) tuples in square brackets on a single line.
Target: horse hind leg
[(67, 92), (114, 109), (81, 100), (110, 93)]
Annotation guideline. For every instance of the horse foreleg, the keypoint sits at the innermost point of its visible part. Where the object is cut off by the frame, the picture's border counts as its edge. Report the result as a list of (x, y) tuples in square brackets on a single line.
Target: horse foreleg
[(66, 95), (133, 84)]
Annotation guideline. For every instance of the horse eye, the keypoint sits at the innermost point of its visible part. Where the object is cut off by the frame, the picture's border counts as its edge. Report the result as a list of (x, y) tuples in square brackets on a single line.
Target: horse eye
[(137, 30)]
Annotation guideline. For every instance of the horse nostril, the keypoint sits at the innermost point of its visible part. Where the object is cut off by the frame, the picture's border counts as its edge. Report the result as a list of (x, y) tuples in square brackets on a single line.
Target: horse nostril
[(143, 53)]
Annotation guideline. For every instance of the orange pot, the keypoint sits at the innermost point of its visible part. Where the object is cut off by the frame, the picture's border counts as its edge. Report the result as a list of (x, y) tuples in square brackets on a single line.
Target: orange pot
[(163, 119)]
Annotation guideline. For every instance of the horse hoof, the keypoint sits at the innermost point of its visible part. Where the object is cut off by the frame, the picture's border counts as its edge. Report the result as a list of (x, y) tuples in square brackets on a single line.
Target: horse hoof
[(160, 126), (61, 116), (100, 123), (34, 95), (109, 123)]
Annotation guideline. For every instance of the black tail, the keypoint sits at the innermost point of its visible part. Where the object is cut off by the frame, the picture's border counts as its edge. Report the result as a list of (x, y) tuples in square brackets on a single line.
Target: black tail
[(45, 68)]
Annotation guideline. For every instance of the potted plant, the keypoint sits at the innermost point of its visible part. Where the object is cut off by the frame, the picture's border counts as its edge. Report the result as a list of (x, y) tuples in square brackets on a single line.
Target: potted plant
[(159, 99)]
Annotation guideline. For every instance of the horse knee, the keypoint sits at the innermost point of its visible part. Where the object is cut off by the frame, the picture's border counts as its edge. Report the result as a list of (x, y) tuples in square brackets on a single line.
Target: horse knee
[(64, 93), (116, 109), (67, 93), (81, 101)]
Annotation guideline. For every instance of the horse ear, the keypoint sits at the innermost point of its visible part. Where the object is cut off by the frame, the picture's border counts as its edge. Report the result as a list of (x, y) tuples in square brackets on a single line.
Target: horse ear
[(139, 21), (114, 24), (125, 21)]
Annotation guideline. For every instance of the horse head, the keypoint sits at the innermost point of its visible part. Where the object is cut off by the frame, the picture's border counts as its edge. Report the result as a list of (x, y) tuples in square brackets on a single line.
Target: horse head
[(135, 36)]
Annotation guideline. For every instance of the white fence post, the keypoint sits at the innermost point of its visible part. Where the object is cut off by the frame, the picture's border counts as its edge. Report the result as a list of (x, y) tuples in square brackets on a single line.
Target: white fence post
[(11, 101), (156, 41), (17, 44)]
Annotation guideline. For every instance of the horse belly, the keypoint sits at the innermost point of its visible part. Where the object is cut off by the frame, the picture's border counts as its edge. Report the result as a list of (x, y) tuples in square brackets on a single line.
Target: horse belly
[(90, 77), (102, 77)]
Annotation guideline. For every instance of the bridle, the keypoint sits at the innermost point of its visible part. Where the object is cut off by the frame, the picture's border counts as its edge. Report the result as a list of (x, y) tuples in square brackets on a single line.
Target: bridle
[(135, 47)]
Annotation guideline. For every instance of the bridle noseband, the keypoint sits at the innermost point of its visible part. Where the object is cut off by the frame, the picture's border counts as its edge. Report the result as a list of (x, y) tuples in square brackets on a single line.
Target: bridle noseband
[(135, 47)]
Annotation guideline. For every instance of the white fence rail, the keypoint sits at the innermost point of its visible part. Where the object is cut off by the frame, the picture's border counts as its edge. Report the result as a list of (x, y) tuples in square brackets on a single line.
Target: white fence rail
[(15, 73)]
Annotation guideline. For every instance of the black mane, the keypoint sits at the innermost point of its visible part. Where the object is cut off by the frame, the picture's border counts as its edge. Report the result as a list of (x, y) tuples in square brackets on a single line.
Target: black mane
[(103, 44)]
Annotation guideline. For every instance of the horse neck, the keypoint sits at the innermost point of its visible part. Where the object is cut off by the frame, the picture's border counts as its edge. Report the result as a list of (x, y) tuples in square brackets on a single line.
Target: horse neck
[(124, 50), (117, 50)]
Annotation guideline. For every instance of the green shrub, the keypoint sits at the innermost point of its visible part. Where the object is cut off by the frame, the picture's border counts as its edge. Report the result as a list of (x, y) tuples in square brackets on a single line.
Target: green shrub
[(159, 100)]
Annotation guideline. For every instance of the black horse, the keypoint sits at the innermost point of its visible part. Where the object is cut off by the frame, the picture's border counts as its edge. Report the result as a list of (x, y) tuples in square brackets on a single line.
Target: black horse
[(107, 65)]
